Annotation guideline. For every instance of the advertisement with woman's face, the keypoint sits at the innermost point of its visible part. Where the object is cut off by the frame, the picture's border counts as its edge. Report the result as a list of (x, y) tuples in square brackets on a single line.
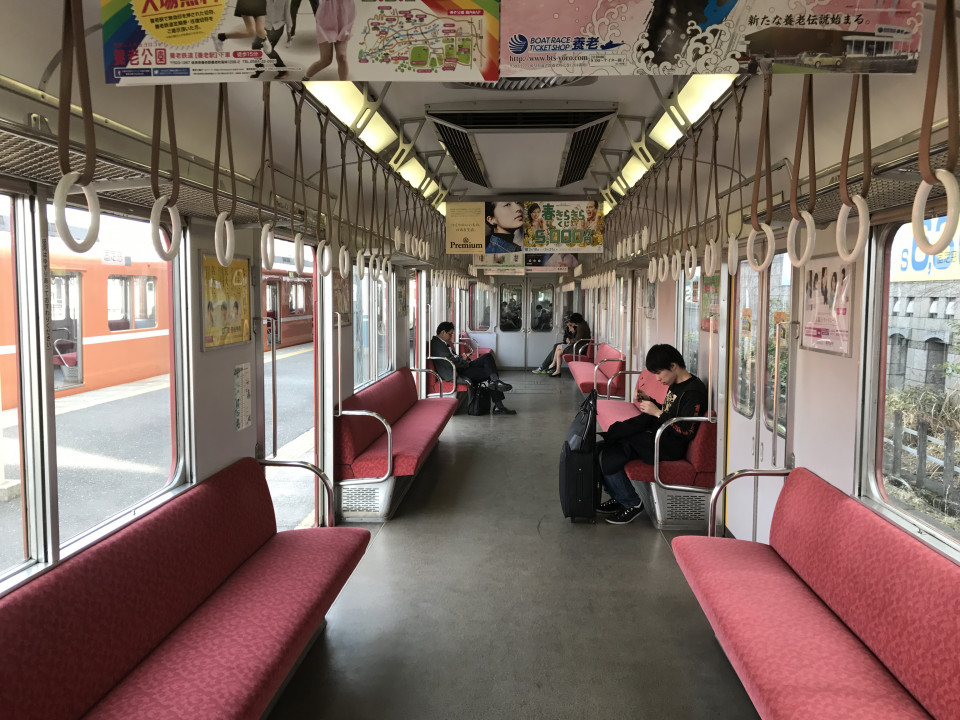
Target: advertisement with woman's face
[(504, 226)]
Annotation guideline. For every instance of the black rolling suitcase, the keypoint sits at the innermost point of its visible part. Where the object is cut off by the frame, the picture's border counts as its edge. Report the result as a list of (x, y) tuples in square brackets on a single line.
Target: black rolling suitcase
[(579, 475)]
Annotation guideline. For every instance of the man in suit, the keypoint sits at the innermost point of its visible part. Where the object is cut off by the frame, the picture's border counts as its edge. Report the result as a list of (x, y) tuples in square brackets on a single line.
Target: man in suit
[(483, 369)]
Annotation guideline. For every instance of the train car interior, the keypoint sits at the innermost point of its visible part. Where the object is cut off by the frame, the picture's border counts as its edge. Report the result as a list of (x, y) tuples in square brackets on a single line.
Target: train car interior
[(290, 363)]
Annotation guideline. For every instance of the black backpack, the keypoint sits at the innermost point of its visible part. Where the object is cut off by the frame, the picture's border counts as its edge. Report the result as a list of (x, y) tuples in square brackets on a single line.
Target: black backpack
[(478, 400)]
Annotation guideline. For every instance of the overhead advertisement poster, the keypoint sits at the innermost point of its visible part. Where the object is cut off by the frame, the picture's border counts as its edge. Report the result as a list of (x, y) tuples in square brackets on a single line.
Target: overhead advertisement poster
[(682, 37), (149, 42), (465, 234), (550, 262), (563, 226)]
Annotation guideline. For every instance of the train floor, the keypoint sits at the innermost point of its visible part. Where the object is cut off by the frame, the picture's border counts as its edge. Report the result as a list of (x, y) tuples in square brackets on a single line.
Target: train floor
[(479, 600)]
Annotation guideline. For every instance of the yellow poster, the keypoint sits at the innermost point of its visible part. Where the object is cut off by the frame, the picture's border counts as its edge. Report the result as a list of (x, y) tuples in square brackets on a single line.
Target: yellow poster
[(226, 302), (465, 228)]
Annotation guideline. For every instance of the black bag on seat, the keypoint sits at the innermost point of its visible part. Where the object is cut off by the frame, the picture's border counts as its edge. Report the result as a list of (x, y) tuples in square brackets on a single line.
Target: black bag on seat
[(579, 476), (478, 400)]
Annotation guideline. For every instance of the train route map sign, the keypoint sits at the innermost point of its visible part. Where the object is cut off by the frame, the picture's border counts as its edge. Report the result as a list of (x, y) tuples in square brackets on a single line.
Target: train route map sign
[(422, 41)]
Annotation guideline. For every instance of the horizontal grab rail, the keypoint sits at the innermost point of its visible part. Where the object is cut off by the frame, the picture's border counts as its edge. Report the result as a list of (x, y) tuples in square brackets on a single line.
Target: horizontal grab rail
[(431, 372), (386, 476), (715, 495), (319, 476), (597, 367), (621, 372), (454, 368), (656, 451)]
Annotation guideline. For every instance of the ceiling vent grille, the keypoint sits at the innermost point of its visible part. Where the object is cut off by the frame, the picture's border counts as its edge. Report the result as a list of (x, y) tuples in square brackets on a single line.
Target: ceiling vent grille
[(583, 146), (494, 120), (461, 150)]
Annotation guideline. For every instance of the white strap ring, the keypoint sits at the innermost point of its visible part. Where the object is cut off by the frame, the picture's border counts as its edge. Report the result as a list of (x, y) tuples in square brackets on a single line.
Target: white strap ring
[(60, 214), (325, 255), (711, 254), (652, 271), (176, 230), (949, 182), (298, 253), (690, 263), (662, 268), (800, 260), (344, 259), (733, 255), (751, 239), (676, 265), (863, 230), (267, 244), (224, 227)]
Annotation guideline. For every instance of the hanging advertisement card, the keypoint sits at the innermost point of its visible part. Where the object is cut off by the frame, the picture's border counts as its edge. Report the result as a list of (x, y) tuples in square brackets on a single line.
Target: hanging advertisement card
[(710, 303), (563, 226), (827, 301), (225, 298), (465, 232), (242, 397), (342, 298), (683, 37), (149, 42)]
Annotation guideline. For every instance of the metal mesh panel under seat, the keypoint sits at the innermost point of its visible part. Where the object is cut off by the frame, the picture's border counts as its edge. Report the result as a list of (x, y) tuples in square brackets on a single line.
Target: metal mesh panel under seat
[(685, 507), (360, 500)]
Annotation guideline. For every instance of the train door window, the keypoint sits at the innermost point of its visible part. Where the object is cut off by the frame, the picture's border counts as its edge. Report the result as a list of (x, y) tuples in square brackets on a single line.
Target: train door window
[(116, 432), (13, 488), (144, 302), (66, 326), (411, 302), (918, 433), (778, 309), (745, 346), (511, 308), (297, 298), (541, 314), (384, 326), (690, 332), (479, 300)]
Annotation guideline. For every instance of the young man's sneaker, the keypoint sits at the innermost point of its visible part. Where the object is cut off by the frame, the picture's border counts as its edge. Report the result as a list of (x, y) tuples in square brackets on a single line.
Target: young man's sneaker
[(626, 515), (609, 507)]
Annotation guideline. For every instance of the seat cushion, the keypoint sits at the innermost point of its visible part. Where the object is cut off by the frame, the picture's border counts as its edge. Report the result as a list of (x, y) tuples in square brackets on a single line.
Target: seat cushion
[(71, 634), (414, 435), (229, 658), (795, 658), (899, 596), (611, 411), (672, 472)]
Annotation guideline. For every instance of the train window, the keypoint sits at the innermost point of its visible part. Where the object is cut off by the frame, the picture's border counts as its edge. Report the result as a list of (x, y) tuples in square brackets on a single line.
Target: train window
[(371, 329), (511, 308), (479, 299), (745, 347), (296, 298), (13, 504), (131, 302), (541, 314), (778, 311), (690, 332), (115, 420), (919, 423)]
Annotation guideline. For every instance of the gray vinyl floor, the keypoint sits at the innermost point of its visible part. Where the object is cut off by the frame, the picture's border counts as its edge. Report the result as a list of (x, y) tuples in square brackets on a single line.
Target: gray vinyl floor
[(478, 600)]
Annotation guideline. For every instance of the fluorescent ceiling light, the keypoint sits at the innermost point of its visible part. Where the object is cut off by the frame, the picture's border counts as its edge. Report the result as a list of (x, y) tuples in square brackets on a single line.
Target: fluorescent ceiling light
[(412, 171), (431, 188), (607, 207), (633, 171), (442, 209), (695, 99), (345, 101)]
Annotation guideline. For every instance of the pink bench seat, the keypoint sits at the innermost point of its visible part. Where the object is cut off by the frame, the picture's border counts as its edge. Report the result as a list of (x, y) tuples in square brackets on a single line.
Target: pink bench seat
[(610, 361), (198, 609), (360, 443), (610, 411), (842, 616)]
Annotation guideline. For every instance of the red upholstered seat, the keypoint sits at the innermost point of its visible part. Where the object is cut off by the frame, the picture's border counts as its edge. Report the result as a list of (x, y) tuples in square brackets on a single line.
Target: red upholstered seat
[(360, 447), (837, 616), (796, 659), (611, 411), (583, 371), (414, 435), (71, 635), (584, 352), (697, 469)]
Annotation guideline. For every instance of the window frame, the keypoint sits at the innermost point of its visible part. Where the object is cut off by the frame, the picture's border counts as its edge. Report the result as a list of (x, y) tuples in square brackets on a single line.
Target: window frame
[(871, 397), (45, 547)]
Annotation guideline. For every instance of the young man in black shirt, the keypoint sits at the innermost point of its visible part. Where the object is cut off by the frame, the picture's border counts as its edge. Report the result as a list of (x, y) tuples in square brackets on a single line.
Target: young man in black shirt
[(633, 439)]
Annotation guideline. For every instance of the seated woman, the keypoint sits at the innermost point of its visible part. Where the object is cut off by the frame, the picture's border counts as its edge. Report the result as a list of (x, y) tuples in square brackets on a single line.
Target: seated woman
[(577, 330)]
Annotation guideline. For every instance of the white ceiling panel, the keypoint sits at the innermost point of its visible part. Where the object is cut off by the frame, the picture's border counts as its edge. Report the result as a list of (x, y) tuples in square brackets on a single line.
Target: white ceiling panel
[(521, 160)]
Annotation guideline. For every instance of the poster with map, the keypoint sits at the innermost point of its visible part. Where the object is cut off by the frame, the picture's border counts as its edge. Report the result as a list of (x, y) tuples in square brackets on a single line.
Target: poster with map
[(150, 42), (683, 37)]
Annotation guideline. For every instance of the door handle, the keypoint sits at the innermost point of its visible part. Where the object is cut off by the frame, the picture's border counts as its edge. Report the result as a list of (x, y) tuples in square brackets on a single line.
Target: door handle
[(761, 452)]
